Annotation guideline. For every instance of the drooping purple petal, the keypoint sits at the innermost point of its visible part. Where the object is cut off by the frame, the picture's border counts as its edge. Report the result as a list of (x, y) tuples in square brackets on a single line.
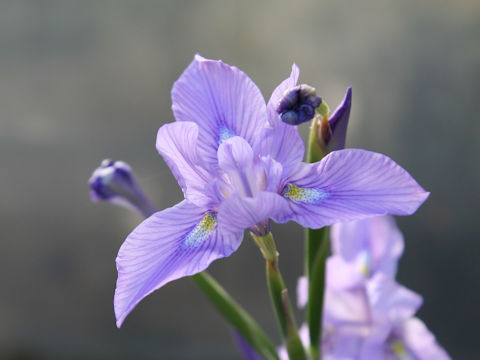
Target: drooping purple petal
[(420, 341), (238, 213), (177, 143), (390, 302), (409, 339), (282, 141), (373, 244), (338, 123), (349, 185), (222, 101), (179, 241)]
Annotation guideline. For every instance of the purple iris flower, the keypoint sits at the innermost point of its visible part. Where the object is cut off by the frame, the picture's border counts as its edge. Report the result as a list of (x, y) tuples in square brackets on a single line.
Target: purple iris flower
[(367, 314), (239, 166), (358, 318)]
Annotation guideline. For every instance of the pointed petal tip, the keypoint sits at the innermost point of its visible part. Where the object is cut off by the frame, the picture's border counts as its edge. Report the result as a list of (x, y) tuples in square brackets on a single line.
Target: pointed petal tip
[(295, 71), (119, 322), (348, 94), (198, 57)]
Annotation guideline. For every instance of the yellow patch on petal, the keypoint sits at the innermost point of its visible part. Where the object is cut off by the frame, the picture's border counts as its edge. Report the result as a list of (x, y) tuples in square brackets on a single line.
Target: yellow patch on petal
[(201, 231), (399, 350), (304, 195)]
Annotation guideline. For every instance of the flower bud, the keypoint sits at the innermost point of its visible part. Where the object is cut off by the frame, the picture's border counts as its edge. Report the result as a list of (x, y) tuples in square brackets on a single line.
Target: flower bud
[(114, 182), (298, 104), (334, 137)]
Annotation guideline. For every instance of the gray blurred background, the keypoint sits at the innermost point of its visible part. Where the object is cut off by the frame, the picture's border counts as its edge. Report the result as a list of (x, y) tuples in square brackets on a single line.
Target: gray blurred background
[(84, 80)]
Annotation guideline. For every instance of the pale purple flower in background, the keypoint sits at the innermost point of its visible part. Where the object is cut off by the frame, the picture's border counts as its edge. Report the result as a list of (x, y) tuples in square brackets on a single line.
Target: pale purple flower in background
[(114, 182), (409, 340), (367, 314), (363, 311), (370, 245), (239, 166)]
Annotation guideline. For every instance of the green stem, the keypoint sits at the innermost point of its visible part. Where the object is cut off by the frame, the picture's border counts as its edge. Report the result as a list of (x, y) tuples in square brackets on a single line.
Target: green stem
[(316, 253), (318, 243), (280, 300), (236, 315)]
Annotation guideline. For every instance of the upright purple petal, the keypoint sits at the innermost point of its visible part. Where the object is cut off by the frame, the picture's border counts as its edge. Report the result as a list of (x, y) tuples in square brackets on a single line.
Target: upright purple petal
[(179, 241), (342, 274), (279, 91), (282, 141), (177, 143), (373, 244), (349, 185), (222, 101), (237, 160)]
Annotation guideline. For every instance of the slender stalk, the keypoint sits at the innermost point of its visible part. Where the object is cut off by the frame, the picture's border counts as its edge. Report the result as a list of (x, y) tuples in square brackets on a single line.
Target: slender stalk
[(316, 252), (236, 315), (279, 296), (319, 246)]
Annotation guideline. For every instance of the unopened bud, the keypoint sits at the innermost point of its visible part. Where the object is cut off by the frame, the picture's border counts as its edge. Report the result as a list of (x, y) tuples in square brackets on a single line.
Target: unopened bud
[(337, 123), (298, 104), (114, 182)]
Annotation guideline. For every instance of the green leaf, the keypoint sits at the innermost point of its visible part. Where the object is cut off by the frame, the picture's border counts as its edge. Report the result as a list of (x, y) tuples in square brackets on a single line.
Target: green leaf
[(236, 316)]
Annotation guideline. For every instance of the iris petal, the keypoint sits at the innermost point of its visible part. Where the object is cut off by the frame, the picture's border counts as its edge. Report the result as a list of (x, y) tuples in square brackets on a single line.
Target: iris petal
[(180, 241), (348, 185), (177, 143), (282, 141), (222, 101), (375, 243)]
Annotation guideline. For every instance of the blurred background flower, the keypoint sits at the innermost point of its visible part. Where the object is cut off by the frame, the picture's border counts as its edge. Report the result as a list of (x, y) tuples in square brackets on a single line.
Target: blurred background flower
[(84, 80)]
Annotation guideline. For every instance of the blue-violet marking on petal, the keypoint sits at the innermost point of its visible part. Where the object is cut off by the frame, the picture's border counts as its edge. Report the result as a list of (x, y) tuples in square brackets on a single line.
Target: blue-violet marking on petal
[(201, 231), (304, 195)]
